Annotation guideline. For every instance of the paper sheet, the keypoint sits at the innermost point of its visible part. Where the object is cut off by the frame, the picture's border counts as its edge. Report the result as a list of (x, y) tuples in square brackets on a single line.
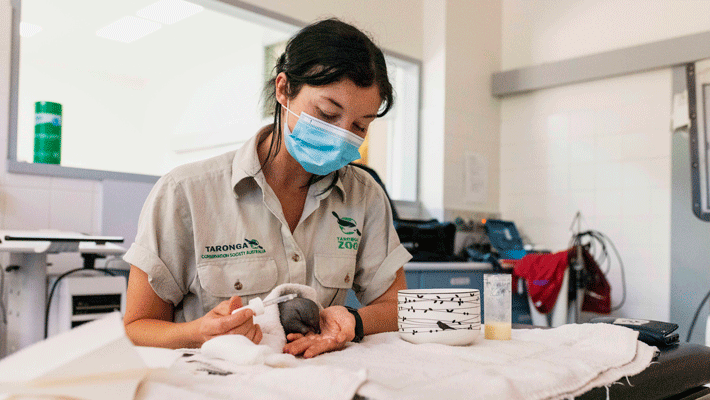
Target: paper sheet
[(93, 361), (475, 177)]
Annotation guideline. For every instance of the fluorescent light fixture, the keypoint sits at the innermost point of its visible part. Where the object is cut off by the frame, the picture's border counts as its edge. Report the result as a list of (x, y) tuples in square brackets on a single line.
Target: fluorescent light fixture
[(169, 11), (29, 30), (128, 29)]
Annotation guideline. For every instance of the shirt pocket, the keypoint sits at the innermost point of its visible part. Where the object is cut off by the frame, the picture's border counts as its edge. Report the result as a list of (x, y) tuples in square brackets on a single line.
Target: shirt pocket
[(335, 274), (220, 280)]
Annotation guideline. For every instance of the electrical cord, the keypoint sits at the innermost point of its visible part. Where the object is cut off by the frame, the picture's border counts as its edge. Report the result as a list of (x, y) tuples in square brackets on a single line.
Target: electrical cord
[(695, 317), (54, 286), (597, 245)]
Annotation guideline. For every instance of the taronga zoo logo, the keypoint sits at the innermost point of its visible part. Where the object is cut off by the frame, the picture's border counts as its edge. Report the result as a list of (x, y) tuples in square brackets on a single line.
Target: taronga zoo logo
[(249, 246), (348, 227)]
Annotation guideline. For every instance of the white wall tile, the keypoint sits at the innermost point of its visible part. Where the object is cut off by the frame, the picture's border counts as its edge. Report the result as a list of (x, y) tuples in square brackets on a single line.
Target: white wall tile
[(581, 177), (555, 207), (659, 170), (74, 185), (610, 226), (28, 181), (661, 232), (72, 211), (636, 174), (581, 150), (610, 122), (582, 201), (557, 180), (608, 175), (609, 148), (637, 233), (26, 208), (557, 153), (659, 144), (581, 124), (608, 203), (636, 202), (558, 127)]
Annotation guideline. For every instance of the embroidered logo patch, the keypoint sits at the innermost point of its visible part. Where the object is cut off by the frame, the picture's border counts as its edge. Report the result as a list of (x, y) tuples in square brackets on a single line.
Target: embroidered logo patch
[(249, 246), (348, 227)]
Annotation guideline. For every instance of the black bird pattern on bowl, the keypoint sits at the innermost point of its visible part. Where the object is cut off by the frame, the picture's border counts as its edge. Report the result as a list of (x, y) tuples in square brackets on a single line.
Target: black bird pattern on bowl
[(464, 312)]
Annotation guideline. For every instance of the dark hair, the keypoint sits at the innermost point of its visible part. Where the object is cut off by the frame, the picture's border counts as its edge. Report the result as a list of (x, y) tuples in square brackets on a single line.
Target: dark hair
[(320, 54)]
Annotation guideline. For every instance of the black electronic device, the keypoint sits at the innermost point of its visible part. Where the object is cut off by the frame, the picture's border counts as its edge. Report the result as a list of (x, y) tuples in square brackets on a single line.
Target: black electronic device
[(654, 333)]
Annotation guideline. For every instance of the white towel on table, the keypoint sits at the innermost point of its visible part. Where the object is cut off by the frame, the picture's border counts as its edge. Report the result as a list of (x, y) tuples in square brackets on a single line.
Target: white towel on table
[(554, 363)]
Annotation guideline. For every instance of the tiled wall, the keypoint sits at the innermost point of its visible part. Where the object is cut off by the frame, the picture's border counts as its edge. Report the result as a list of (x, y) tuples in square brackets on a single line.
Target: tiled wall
[(602, 148)]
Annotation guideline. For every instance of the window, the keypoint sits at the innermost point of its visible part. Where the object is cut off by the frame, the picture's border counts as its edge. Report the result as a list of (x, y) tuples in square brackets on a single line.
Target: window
[(143, 89)]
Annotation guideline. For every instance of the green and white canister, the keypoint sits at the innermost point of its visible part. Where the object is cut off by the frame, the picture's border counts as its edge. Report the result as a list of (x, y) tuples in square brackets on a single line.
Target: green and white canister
[(48, 132)]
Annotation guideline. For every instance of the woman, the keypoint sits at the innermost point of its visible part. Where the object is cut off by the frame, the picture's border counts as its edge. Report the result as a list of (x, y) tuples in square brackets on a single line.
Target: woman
[(285, 207)]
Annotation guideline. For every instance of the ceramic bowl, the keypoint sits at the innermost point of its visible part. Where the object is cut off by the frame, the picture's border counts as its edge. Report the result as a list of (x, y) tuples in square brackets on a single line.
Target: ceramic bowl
[(446, 316)]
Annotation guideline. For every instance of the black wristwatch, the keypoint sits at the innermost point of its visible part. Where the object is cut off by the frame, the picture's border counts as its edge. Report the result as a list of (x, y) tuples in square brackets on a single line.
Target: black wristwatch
[(359, 330)]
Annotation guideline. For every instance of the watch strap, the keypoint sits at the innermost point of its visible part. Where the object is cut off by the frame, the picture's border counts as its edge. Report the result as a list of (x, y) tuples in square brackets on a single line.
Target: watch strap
[(359, 330)]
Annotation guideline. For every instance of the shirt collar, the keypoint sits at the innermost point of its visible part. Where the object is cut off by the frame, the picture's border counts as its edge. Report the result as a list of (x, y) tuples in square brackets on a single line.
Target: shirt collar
[(246, 166)]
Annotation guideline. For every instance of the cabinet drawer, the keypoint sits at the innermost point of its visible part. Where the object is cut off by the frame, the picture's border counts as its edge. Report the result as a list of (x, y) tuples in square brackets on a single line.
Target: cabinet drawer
[(452, 279)]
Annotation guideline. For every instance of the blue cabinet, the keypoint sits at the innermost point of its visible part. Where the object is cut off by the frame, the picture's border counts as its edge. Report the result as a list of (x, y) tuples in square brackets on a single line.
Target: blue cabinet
[(452, 276)]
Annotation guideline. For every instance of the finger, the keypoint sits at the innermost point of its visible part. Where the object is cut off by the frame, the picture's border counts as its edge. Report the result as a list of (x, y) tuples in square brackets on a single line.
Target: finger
[(222, 308), (298, 346), (293, 336), (241, 316), (322, 346), (259, 335), (237, 323), (251, 333), (234, 303)]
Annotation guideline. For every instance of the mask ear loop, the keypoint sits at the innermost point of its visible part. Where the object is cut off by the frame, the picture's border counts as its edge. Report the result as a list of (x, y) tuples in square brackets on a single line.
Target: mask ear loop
[(289, 110), (287, 129)]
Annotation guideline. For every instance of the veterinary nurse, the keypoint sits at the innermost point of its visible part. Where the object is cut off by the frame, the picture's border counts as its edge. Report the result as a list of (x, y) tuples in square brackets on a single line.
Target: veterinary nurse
[(285, 207)]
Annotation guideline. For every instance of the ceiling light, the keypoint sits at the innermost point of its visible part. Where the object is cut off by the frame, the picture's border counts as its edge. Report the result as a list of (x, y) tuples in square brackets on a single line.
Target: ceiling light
[(128, 29), (169, 11), (29, 30)]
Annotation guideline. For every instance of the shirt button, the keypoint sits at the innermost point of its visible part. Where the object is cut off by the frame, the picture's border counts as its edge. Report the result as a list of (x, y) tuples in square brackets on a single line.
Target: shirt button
[(238, 285), (296, 258)]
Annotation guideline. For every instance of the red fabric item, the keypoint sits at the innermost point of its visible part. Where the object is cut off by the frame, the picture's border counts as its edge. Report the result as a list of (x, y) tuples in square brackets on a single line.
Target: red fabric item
[(543, 274), (597, 293)]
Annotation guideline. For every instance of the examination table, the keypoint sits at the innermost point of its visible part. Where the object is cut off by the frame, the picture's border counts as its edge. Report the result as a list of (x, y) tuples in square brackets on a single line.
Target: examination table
[(680, 372), (600, 361)]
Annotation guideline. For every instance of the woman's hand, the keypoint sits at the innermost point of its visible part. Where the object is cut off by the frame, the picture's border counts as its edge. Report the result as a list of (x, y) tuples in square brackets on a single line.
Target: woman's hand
[(337, 326), (220, 321)]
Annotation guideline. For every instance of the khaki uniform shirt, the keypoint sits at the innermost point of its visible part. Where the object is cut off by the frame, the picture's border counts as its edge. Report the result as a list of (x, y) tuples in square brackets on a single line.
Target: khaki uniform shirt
[(214, 229)]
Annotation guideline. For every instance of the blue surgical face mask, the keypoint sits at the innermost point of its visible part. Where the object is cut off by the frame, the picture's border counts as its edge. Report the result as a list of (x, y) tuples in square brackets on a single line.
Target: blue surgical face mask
[(320, 147)]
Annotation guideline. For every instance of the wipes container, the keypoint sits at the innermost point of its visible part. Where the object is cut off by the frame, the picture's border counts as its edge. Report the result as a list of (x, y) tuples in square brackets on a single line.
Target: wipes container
[(48, 132)]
